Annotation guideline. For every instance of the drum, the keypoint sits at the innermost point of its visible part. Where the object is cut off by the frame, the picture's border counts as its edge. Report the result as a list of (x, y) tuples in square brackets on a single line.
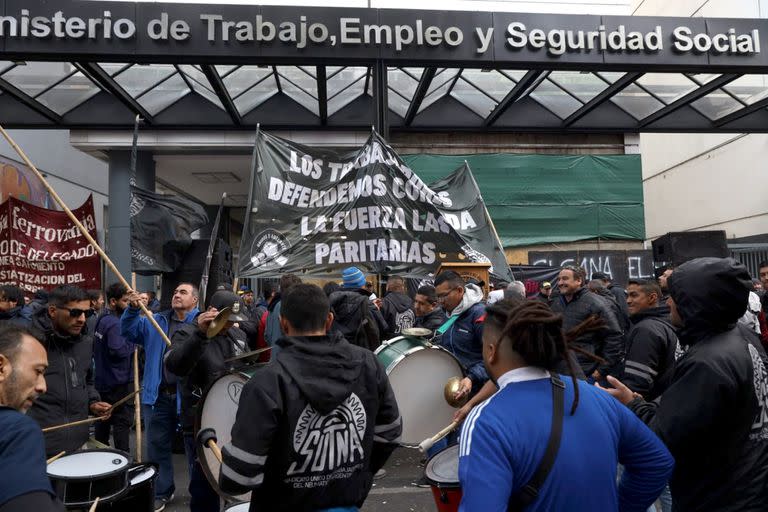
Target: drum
[(418, 371), (218, 410), (442, 473), (78, 479), (141, 491)]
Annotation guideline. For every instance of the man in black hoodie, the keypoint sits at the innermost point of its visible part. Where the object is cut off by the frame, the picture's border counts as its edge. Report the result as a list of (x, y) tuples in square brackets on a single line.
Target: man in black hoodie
[(651, 341), (71, 394), (396, 308), (315, 424), (429, 314), (713, 417)]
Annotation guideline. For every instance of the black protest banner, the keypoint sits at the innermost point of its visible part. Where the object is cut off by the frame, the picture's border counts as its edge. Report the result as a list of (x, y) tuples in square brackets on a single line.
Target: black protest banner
[(464, 209), (315, 211), (620, 266), (161, 226)]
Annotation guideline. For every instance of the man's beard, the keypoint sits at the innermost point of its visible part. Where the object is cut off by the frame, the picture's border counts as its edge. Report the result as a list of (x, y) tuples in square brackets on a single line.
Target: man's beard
[(13, 394)]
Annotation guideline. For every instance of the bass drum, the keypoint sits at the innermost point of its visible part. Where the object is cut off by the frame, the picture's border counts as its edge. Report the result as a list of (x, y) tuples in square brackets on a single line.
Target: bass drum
[(418, 371), (218, 410)]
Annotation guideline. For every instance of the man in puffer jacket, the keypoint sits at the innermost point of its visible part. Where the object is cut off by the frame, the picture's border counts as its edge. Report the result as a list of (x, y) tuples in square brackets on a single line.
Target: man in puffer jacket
[(462, 333), (713, 417)]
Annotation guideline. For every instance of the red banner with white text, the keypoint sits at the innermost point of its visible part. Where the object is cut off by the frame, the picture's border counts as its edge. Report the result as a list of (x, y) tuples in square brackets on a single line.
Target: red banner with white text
[(42, 248)]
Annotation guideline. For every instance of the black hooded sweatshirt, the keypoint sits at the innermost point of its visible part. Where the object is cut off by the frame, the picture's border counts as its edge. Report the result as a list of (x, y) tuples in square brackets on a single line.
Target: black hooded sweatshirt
[(396, 308), (651, 345), (70, 381), (713, 417), (312, 428)]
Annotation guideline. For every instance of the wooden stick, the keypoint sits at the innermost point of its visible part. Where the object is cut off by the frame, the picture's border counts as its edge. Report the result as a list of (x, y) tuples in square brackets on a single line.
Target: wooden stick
[(124, 399), (95, 504), (211, 444), (75, 423), (137, 403), (82, 229), (55, 457), (428, 443)]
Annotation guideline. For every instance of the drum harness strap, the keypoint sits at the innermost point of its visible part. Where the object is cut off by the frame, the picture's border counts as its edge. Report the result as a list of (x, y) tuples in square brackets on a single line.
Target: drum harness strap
[(530, 491)]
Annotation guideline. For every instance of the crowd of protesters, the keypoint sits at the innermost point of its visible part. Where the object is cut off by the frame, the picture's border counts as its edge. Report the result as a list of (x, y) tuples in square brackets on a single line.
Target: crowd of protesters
[(662, 385)]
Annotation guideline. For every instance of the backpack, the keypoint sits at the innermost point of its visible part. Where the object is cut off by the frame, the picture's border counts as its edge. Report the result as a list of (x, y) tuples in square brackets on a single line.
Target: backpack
[(359, 328)]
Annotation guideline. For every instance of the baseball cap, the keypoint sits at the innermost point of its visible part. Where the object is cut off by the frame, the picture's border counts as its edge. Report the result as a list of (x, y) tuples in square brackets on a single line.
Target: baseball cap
[(546, 284), (226, 299)]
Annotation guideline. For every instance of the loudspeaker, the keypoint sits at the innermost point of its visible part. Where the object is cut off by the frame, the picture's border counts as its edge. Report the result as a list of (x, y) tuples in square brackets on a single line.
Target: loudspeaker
[(191, 270), (678, 247)]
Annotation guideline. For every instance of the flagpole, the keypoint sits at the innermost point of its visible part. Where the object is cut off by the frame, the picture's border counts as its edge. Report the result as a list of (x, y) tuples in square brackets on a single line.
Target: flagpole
[(80, 227), (209, 255), (137, 395), (487, 214), (248, 211)]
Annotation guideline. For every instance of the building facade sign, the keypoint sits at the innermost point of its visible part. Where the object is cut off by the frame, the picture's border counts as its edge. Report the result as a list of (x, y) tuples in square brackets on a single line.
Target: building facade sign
[(147, 31)]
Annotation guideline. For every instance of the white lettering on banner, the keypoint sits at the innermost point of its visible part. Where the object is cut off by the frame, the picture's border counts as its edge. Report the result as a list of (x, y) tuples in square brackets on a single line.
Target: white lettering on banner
[(363, 217), (375, 250), (292, 194)]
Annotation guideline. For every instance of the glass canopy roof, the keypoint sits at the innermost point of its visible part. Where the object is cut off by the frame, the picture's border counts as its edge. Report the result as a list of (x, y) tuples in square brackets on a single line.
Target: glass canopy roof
[(421, 97)]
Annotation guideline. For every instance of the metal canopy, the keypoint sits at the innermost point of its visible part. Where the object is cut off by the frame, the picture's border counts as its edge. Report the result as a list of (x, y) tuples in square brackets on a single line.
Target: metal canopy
[(98, 64), (81, 94)]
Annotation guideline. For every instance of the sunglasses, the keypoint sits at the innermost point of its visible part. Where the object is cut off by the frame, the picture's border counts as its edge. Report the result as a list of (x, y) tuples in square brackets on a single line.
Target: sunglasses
[(76, 312)]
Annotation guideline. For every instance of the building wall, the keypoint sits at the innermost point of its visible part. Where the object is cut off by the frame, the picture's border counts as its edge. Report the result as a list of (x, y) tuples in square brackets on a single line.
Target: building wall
[(72, 174), (705, 181)]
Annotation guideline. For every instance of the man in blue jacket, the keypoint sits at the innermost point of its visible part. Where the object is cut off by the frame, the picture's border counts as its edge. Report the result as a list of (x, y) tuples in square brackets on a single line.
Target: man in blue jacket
[(159, 394), (113, 357), (462, 333)]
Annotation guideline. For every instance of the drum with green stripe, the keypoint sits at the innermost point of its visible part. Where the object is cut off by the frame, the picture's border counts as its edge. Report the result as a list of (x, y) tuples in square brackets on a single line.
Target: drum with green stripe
[(418, 372)]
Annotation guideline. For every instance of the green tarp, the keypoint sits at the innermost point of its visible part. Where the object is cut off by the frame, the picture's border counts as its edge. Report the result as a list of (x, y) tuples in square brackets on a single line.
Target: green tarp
[(535, 199)]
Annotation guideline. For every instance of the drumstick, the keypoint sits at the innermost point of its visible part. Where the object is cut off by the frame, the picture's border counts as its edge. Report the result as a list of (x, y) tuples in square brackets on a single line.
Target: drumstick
[(55, 457), (125, 399), (427, 443), (75, 423), (248, 354), (95, 504), (211, 444)]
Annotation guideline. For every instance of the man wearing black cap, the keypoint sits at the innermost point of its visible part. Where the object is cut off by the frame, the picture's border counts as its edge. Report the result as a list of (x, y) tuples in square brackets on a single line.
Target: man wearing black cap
[(199, 361)]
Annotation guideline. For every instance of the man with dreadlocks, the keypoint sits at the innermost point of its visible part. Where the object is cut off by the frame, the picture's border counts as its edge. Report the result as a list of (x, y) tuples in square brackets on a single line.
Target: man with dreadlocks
[(547, 442)]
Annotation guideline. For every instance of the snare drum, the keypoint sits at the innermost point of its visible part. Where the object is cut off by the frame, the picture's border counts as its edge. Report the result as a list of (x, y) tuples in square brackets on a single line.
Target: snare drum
[(141, 491), (218, 410), (442, 473), (418, 371), (78, 479)]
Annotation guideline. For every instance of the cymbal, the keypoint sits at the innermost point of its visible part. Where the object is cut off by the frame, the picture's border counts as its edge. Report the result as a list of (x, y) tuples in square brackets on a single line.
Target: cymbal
[(248, 355), (417, 332)]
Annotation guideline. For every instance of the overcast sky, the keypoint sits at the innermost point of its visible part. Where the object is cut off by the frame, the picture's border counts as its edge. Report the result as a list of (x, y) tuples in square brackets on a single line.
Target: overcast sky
[(620, 7)]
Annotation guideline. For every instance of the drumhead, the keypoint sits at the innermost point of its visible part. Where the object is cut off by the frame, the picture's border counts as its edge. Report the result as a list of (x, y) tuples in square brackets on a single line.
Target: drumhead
[(239, 507), (418, 379), (90, 463), (143, 475), (443, 468), (218, 410)]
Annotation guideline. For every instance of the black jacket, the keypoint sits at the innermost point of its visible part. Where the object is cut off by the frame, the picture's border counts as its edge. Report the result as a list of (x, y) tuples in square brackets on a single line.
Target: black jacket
[(312, 428), (70, 383), (713, 417), (432, 320), (651, 345), (620, 294), (199, 361), (396, 308), (610, 300), (607, 343), (357, 318)]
